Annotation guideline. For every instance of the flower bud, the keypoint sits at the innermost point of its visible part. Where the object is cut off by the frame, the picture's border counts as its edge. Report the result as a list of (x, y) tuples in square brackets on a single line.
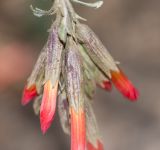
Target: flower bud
[(74, 88), (101, 57), (48, 105)]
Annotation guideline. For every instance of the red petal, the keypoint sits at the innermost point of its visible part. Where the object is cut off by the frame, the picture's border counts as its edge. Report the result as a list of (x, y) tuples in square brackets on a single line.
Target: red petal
[(92, 147), (48, 105), (106, 85), (124, 85), (29, 94), (78, 130)]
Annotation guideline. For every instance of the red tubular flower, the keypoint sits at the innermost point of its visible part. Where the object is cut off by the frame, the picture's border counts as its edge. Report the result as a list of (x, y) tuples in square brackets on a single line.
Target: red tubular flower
[(78, 136), (48, 105), (29, 94), (124, 85), (92, 147)]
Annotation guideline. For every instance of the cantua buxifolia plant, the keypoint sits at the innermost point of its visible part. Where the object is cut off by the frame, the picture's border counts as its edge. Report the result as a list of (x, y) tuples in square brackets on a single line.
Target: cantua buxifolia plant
[(70, 66)]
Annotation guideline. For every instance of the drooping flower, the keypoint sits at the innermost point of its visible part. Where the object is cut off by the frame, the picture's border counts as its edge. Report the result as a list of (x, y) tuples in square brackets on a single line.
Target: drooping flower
[(71, 65), (102, 58)]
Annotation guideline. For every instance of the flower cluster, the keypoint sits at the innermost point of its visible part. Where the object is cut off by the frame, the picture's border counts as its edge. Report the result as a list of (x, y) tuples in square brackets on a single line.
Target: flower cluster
[(70, 66)]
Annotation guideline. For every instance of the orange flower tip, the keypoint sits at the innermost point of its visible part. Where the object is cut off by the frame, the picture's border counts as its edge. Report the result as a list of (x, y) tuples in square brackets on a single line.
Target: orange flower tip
[(125, 86), (78, 130), (48, 106), (92, 147), (107, 85), (29, 94)]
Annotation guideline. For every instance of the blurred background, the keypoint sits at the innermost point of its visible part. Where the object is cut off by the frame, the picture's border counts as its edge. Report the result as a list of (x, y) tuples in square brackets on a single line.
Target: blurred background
[(131, 31)]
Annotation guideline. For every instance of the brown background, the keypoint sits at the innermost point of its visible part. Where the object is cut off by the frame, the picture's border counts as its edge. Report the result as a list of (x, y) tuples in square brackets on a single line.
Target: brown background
[(131, 31)]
